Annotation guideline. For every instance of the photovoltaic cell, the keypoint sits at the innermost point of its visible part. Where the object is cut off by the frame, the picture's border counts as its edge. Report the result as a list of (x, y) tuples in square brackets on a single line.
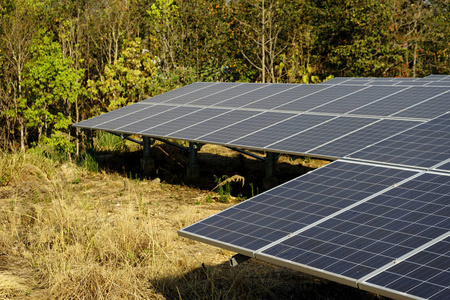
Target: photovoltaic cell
[(115, 114), (374, 233), (316, 136), (289, 95), (366, 136), (429, 109), (319, 98), (214, 124), (239, 90), (424, 275), (209, 91), (146, 123), (423, 146), (248, 126), (180, 92), (400, 101), (444, 167), (265, 92), (358, 99), (280, 131), (185, 121), (275, 214)]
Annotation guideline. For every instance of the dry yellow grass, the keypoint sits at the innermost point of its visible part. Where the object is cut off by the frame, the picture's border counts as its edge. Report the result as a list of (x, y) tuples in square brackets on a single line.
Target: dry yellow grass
[(66, 233)]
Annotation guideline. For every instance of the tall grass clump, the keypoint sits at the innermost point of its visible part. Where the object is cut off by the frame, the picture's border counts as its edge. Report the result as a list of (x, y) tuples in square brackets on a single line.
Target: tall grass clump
[(85, 235), (105, 141)]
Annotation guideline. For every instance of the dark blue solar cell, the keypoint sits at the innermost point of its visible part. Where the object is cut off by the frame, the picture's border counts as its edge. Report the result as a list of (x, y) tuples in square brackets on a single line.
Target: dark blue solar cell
[(420, 275), (402, 148)]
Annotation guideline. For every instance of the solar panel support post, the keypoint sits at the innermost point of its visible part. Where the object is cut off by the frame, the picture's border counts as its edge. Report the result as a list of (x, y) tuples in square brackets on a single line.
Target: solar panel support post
[(238, 259), (147, 162), (193, 170), (270, 181)]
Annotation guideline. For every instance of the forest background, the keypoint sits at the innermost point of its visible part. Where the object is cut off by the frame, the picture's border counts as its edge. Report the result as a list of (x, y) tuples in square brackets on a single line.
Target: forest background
[(63, 61)]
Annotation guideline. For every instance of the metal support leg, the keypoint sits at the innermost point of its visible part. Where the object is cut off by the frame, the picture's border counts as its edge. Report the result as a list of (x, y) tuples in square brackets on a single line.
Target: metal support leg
[(270, 181), (193, 170), (237, 259), (147, 162)]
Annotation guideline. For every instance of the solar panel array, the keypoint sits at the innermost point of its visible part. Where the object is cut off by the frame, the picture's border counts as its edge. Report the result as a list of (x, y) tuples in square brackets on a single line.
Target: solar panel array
[(330, 120), (377, 219)]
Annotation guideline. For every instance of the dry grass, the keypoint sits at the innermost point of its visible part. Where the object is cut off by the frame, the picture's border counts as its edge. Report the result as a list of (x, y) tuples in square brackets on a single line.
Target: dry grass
[(66, 233)]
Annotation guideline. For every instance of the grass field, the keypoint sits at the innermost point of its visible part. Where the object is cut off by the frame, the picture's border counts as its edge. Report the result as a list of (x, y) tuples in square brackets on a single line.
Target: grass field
[(70, 233)]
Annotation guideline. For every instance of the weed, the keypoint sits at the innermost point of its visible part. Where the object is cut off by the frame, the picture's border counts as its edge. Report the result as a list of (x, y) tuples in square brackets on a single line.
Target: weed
[(106, 141)]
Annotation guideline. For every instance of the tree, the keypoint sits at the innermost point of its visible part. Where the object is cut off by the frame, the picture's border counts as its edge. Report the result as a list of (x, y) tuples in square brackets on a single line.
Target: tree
[(51, 85), (17, 32)]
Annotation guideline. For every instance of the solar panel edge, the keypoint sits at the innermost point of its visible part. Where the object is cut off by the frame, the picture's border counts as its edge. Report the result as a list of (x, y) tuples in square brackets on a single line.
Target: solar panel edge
[(387, 292), (306, 269), (213, 242)]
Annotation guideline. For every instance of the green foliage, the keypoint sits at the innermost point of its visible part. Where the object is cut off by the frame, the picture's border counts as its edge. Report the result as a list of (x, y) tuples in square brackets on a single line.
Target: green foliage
[(106, 141), (50, 86), (224, 190)]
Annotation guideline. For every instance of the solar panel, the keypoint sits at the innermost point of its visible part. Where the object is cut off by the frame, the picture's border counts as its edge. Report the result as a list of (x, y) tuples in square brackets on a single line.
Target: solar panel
[(361, 138), (279, 131), (235, 131), (238, 90), (319, 135), (394, 104), (211, 125), (444, 167), (425, 275), (180, 92), (321, 97), (295, 205), (167, 128), (270, 90), (361, 221), (377, 231), (118, 113), (423, 146), (292, 94), (428, 109), (358, 99), (145, 120)]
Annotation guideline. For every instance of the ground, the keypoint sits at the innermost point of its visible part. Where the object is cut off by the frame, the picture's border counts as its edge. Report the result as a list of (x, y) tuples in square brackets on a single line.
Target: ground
[(70, 233)]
